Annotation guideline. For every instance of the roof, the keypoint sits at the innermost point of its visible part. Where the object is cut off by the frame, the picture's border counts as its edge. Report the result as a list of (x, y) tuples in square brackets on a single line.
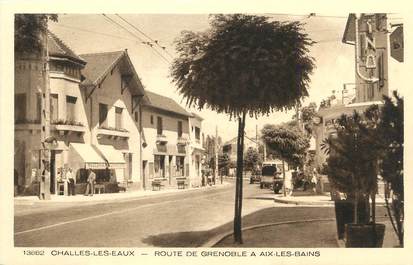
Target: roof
[(57, 48), (99, 64), (164, 103), (337, 111), (197, 116), (235, 139), (349, 35)]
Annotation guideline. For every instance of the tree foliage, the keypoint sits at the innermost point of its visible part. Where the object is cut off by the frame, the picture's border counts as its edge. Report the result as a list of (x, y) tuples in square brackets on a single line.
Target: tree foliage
[(286, 142), (244, 63), (252, 159), (29, 32), (353, 154), (391, 135)]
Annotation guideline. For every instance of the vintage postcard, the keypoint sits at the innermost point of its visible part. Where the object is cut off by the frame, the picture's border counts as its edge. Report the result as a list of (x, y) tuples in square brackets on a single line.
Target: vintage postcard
[(193, 133)]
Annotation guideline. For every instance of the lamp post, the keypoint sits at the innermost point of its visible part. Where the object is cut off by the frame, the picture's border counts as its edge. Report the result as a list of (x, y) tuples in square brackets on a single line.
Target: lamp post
[(45, 124)]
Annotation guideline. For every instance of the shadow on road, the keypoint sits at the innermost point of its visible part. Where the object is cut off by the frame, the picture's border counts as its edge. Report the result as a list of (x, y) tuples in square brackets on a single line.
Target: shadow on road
[(273, 214)]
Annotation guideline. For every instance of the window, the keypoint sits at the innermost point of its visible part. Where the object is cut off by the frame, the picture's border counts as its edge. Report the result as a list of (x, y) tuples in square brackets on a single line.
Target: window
[(151, 119), (103, 115), (54, 107), (179, 128), (124, 80), (197, 134), (71, 108), (159, 125), (38, 107), (136, 116), (20, 107), (118, 118)]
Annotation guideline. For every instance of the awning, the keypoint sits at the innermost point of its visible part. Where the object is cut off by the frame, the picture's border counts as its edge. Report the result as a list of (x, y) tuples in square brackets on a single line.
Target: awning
[(86, 154), (113, 157)]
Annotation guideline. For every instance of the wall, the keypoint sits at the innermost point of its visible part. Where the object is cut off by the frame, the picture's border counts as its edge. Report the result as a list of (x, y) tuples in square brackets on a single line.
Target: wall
[(170, 131), (109, 93)]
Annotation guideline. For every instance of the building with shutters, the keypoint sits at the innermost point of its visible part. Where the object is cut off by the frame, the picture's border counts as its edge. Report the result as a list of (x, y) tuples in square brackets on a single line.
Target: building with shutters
[(94, 115), (112, 94), (166, 155), (68, 117)]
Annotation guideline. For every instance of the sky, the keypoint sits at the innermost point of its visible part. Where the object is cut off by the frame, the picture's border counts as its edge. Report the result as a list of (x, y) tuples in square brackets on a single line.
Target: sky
[(90, 33)]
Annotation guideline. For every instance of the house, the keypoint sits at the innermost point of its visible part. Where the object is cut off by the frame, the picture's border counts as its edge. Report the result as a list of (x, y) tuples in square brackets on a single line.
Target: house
[(112, 94), (196, 149), (94, 114), (230, 148), (68, 117), (165, 135)]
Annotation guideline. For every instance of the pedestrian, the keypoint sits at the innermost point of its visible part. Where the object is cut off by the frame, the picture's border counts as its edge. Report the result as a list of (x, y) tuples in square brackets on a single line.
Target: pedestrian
[(70, 182), (90, 188), (314, 181), (288, 185)]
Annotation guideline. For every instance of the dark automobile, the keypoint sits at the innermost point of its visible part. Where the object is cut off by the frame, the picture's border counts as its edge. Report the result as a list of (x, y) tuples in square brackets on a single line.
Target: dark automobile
[(255, 178), (278, 183)]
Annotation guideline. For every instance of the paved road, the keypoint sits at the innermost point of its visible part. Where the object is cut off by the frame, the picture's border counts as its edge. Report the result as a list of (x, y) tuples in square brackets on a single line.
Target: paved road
[(181, 219)]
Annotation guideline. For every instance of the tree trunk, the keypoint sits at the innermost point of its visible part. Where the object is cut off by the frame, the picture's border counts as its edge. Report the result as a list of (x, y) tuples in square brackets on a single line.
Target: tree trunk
[(284, 191), (238, 185)]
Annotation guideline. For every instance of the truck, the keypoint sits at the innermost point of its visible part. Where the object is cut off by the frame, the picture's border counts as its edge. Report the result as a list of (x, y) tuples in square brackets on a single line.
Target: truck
[(271, 175)]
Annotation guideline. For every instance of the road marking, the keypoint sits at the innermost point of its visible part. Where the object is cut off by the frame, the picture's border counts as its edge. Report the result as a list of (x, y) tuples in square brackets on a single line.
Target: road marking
[(107, 214)]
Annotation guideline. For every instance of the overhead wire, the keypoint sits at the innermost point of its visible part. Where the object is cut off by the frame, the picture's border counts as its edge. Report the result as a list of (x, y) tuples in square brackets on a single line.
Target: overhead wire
[(156, 42), (136, 36)]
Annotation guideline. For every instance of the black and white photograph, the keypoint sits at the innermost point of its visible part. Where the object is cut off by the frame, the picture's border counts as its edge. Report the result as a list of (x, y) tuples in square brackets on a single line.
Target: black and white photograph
[(240, 134)]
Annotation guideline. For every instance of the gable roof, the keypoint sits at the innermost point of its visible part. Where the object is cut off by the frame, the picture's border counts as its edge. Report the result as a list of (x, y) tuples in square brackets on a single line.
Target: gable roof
[(57, 48), (349, 35), (235, 139), (196, 116), (164, 103), (99, 64)]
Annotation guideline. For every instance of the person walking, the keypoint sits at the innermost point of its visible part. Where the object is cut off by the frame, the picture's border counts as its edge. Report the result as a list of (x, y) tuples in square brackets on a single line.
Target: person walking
[(90, 188), (70, 182), (314, 181), (288, 182)]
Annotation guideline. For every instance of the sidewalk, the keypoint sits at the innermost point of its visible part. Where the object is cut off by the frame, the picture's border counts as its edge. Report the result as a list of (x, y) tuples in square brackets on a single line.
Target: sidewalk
[(104, 197), (316, 199)]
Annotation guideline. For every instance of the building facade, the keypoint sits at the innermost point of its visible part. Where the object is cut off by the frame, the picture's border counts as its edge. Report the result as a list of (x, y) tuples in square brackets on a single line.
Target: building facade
[(166, 155), (94, 119), (196, 150), (113, 93), (68, 117)]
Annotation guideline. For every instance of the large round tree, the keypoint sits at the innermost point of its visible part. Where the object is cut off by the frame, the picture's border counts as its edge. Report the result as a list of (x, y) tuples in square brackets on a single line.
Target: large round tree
[(243, 65)]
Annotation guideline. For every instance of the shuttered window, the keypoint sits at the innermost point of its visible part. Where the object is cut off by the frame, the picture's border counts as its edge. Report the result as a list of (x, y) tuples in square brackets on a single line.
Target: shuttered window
[(71, 108)]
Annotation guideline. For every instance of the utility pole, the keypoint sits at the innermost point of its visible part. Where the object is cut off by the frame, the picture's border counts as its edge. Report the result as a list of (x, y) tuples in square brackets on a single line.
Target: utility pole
[(45, 123), (216, 153)]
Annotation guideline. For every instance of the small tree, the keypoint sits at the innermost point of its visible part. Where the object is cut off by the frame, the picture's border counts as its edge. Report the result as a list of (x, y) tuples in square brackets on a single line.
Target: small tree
[(391, 134), (287, 142), (252, 159), (352, 165), (243, 64)]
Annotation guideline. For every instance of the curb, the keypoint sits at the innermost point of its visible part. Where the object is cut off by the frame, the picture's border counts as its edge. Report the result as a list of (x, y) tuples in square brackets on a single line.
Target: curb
[(119, 199), (325, 203), (329, 203), (218, 238)]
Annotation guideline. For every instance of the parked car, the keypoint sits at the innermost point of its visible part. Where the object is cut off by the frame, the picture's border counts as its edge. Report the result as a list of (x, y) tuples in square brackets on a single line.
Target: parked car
[(255, 178), (270, 175)]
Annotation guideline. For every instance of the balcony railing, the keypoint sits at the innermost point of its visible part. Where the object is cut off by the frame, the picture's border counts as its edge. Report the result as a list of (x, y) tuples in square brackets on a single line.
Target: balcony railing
[(161, 139), (65, 127), (182, 141), (111, 132)]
